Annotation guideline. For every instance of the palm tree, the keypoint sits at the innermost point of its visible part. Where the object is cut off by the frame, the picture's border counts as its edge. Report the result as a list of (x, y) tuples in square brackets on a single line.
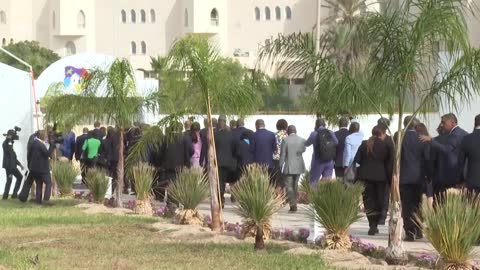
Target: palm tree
[(108, 94), (215, 84), (403, 58)]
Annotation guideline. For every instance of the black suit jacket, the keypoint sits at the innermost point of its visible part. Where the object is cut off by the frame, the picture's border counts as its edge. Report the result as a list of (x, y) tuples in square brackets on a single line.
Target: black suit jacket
[(78, 146), (176, 152), (375, 166), (204, 150), (10, 161), (448, 152), (97, 134), (413, 160), (470, 157), (226, 149), (341, 135), (39, 157)]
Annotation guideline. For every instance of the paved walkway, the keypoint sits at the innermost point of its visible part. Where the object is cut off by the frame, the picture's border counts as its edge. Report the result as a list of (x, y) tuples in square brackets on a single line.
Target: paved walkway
[(303, 219)]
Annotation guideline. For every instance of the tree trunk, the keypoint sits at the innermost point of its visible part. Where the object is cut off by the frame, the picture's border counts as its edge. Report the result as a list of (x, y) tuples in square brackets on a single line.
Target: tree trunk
[(120, 172), (213, 175), (395, 253), (259, 242)]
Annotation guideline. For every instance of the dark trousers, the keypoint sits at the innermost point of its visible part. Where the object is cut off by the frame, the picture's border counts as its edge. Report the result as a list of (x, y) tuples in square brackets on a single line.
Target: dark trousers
[(10, 174), (40, 179), (373, 200), (386, 204), (113, 173), (225, 175), (339, 172), (27, 185), (291, 182), (277, 177), (411, 196)]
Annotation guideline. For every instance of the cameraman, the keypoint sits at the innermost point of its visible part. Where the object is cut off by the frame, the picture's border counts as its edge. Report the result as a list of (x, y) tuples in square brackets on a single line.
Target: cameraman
[(10, 163), (39, 165)]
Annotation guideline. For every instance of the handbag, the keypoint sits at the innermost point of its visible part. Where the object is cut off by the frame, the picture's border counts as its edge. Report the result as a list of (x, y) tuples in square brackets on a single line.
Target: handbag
[(350, 176)]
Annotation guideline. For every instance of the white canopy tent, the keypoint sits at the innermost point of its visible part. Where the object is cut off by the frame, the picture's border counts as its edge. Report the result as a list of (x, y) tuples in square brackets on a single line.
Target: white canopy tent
[(16, 109)]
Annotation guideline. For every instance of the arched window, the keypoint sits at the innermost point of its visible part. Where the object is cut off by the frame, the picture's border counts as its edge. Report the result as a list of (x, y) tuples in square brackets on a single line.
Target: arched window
[(53, 20), (267, 13), (133, 16), (3, 17), (278, 13), (143, 16), (153, 18), (214, 17), (123, 14), (288, 13), (144, 47), (133, 47), (81, 19), (185, 18), (257, 14), (4, 42), (70, 48), (11, 41)]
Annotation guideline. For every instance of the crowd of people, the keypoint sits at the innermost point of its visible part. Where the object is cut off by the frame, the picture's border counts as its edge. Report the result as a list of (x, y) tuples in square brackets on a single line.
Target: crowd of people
[(429, 165)]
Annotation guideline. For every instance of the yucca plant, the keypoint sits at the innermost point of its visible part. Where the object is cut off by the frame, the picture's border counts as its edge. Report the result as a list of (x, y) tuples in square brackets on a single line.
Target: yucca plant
[(143, 176), (453, 227), (189, 190), (64, 173), (335, 206), (257, 202), (97, 182), (305, 188)]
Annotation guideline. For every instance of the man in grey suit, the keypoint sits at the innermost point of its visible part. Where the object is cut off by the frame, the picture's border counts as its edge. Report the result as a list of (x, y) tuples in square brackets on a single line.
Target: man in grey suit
[(292, 164)]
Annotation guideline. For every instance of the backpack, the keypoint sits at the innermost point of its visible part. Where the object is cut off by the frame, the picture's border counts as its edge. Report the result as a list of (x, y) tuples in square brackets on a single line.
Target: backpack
[(326, 150)]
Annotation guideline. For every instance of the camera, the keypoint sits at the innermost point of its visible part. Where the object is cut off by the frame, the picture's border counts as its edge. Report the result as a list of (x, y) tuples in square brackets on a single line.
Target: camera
[(13, 133)]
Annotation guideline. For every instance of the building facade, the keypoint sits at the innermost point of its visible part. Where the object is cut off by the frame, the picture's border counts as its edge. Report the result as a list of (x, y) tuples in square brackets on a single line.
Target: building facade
[(142, 28)]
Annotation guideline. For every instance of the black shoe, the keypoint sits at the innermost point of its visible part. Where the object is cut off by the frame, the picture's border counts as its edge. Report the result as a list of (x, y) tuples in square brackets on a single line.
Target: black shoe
[(419, 235), (47, 203), (232, 199), (293, 209), (373, 231), (14, 196), (409, 238)]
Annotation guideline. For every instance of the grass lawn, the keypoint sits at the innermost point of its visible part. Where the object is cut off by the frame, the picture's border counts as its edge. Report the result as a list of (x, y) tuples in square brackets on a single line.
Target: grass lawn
[(62, 237)]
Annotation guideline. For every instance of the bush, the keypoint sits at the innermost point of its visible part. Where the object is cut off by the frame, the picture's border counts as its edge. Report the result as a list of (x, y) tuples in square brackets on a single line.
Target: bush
[(189, 190), (304, 188), (143, 176), (97, 182), (335, 206), (257, 202), (453, 227), (64, 173)]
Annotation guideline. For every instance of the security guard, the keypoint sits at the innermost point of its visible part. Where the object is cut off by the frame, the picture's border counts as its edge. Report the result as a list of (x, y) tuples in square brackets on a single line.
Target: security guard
[(10, 163)]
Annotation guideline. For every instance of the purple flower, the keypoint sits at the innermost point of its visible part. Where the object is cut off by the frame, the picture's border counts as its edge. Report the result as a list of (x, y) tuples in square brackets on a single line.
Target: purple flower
[(131, 204), (238, 229), (303, 233), (287, 234)]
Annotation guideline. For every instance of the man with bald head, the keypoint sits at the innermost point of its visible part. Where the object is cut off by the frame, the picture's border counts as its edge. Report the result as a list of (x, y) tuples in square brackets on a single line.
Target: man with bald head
[(263, 146)]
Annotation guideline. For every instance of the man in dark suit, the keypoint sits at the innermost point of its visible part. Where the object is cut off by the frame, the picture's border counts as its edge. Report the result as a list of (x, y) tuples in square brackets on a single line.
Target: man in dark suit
[(412, 177), (448, 152), (341, 135), (263, 146), (237, 132), (11, 164), (470, 156), (225, 149), (39, 165), (204, 136), (79, 144)]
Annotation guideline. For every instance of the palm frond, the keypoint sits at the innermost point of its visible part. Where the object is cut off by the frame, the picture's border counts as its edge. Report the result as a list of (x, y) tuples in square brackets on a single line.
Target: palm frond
[(190, 188)]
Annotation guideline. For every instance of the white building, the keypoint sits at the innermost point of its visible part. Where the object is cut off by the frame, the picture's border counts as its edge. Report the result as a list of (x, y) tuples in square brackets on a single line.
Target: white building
[(142, 28)]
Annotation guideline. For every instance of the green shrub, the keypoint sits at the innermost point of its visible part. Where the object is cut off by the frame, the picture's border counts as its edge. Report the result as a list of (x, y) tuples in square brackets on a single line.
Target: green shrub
[(189, 190), (257, 202), (452, 226), (335, 206), (64, 173), (143, 176), (97, 183)]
